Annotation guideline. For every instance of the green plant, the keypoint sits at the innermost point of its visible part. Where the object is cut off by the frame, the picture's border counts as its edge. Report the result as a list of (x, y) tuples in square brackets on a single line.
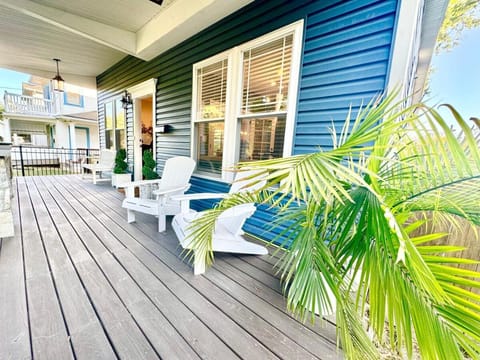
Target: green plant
[(148, 169), (353, 216), (121, 166)]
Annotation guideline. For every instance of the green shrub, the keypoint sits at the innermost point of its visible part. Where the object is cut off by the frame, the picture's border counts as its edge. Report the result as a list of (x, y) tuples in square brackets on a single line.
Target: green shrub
[(148, 169), (121, 166)]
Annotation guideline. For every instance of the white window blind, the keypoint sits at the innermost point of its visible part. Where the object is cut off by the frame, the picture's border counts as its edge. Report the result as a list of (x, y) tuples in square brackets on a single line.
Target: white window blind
[(211, 90), (266, 74)]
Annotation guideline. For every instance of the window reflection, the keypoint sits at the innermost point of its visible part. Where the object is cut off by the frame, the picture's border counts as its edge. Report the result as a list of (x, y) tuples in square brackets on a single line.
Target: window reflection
[(262, 138), (210, 146)]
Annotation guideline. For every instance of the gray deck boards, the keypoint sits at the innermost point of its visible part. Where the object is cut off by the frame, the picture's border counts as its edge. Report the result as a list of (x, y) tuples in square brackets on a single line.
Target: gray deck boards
[(78, 281)]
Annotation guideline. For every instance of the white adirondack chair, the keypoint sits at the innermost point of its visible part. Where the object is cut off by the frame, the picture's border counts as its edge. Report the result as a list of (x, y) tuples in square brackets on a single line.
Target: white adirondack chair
[(227, 236), (105, 163), (175, 180)]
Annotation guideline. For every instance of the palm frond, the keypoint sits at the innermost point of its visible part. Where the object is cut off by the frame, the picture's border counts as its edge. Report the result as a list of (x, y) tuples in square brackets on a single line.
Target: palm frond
[(351, 212)]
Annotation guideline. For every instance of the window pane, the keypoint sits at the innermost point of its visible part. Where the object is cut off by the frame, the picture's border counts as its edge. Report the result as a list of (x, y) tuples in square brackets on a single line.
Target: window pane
[(120, 139), (119, 115), (210, 146), (211, 90), (266, 74), (262, 138), (109, 139), (109, 115)]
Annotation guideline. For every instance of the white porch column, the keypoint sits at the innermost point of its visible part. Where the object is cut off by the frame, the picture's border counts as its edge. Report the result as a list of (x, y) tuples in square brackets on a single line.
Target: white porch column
[(6, 131), (61, 134), (71, 134)]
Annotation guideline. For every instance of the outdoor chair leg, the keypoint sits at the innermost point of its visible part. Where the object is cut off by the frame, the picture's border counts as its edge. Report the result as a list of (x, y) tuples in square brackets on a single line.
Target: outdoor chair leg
[(162, 222), (198, 264), (130, 216)]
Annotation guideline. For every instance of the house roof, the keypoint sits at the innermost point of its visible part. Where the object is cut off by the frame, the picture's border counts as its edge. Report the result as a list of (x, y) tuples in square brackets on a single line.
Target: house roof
[(89, 36)]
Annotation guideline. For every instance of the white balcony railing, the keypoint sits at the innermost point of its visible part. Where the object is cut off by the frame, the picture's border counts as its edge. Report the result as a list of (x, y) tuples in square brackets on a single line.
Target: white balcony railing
[(28, 105)]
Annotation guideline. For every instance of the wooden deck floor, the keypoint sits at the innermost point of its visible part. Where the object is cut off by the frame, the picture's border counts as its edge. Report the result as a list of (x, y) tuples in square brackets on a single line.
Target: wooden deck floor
[(77, 281)]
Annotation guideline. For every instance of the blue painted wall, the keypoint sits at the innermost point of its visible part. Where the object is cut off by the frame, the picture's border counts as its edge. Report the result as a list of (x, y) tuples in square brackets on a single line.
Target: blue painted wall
[(347, 45)]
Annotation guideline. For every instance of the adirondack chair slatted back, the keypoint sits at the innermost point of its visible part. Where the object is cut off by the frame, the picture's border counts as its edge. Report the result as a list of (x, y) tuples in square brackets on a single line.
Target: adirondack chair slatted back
[(177, 171), (244, 178), (107, 158)]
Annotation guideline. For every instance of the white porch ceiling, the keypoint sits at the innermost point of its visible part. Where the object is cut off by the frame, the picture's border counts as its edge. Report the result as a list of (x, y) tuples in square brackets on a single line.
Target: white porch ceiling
[(89, 36)]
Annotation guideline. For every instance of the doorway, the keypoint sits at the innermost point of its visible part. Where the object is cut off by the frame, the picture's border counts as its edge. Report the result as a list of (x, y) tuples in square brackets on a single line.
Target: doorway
[(143, 96), (145, 124), (82, 137)]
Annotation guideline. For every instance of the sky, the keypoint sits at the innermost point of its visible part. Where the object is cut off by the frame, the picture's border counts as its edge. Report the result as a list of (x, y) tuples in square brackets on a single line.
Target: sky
[(11, 81), (456, 76)]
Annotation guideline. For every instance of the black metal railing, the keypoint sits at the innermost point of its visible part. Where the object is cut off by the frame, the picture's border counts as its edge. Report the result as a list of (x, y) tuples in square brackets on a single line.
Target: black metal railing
[(29, 160)]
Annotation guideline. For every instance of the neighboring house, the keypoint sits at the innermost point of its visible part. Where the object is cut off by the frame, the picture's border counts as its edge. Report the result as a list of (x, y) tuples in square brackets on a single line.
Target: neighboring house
[(270, 80), (42, 117)]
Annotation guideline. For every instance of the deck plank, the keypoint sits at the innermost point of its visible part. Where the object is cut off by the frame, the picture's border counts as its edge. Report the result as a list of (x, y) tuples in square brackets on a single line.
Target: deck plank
[(153, 324), (14, 326), (87, 335), (127, 339), (295, 329), (324, 327), (193, 331), (49, 336), (241, 343), (106, 289)]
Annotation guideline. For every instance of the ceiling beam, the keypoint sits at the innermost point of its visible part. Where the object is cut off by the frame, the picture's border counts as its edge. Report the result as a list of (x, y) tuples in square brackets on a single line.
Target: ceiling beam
[(179, 21), (104, 34)]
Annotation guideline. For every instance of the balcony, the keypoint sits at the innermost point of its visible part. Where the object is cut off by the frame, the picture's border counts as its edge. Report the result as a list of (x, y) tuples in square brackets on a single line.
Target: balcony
[(28, 105)]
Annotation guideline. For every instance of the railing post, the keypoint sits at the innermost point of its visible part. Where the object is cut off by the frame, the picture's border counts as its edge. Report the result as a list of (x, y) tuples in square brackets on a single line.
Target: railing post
[(21, 160)]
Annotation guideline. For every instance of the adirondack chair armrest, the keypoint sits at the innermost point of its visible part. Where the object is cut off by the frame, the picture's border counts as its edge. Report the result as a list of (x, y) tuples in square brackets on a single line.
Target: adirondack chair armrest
[(185, 199), (142, 182), (130, 187), (93, 159), (172, 190)]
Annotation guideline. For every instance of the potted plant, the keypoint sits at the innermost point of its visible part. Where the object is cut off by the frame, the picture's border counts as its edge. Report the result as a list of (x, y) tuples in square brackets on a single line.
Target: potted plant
[(149, 173), (120, 171)]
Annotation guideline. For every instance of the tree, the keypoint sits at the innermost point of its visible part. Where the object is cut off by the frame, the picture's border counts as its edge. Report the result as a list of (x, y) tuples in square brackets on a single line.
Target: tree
[(352, 219), (460, 15)]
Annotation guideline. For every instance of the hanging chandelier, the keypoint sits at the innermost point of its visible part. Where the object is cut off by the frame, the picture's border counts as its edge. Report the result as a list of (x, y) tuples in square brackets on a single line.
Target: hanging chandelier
[(58, 82)]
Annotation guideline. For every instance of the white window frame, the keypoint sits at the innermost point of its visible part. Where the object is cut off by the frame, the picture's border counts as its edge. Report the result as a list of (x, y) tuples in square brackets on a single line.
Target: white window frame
[(234, 96)]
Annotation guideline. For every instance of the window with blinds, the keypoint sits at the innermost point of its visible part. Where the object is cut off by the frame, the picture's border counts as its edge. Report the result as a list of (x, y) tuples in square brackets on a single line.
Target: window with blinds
[(243, 107), (210, 116), (266, 75)]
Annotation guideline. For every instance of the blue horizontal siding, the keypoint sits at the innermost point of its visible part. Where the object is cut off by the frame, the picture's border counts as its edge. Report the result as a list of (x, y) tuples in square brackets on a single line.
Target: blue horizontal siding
[(373, 70), (346, 56)]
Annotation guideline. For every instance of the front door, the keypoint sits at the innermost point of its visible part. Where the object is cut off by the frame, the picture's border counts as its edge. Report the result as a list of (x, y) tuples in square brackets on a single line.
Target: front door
[(81, 138)]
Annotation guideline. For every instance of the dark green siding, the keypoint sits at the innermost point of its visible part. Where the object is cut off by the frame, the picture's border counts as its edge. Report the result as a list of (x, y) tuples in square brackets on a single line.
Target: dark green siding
[(347, 46)]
